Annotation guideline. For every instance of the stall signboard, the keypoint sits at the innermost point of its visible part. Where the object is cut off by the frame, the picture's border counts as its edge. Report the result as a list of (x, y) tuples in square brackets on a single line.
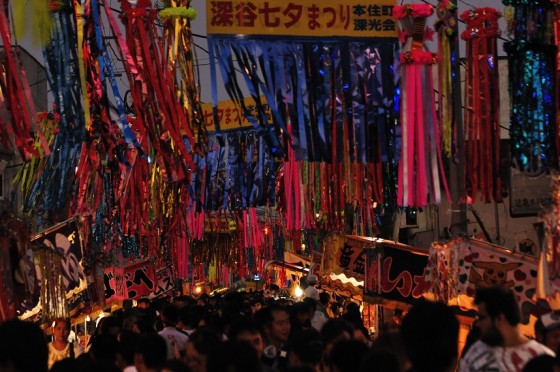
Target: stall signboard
[(129, 282), (344, 254), (325, 18), (165, 281), (394, 273)]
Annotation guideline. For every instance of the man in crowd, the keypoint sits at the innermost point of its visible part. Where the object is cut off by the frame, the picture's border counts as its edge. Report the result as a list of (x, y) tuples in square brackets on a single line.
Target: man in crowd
[(502, 346), (275, 321), (176, 340), (547, 330)]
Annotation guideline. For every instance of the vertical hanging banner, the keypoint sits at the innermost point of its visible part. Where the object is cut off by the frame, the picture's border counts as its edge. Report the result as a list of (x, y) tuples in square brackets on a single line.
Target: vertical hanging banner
[(65, 240), (351, 18), (113, 280)]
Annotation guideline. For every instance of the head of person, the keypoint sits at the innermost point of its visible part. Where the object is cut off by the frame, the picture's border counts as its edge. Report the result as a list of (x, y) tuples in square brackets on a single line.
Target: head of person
[(301, 314), (61, 329), (143, 303), (104, 347), (111, 325), (497, 310), (430, 333), (248, 330), (333, 331), (17, 339), (151, 352), (346, 356), (305, 349), (361, 334), (200, 345), (169, 314), (276, 323), (547, 330), (312, 280), (234, 356)]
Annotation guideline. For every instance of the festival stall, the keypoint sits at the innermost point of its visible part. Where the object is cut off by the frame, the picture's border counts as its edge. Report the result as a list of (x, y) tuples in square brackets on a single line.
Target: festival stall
[(457, 268)]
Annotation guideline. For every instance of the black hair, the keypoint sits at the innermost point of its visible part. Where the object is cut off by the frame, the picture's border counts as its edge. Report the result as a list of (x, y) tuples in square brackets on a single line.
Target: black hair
[(17, 338), (499, 300), (234, 356), (204, 340), (307, 346), (153, 349), (170, 314), (347, 355), (244, 324), (430, 332)]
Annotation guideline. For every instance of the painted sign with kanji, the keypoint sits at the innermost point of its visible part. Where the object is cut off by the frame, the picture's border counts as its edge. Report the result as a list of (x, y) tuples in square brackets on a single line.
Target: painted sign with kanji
[(352, 18), (113, 280), (395, 273), (165, 281), (139, 279), (344, 255)]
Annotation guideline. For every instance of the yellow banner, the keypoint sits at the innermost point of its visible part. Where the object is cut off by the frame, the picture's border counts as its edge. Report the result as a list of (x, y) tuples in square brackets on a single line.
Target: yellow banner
[(231, 116), (352, 18)]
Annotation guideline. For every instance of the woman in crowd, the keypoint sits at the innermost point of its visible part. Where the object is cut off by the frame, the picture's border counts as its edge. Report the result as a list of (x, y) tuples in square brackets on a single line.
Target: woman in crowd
[(59, 347)]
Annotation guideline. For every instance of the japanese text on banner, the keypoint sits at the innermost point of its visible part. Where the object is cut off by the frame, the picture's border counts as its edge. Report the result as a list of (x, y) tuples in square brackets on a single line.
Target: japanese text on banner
[(353, 18)]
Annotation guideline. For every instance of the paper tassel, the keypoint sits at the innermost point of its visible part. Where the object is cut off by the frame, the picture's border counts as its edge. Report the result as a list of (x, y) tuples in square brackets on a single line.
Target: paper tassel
[(482, 97)]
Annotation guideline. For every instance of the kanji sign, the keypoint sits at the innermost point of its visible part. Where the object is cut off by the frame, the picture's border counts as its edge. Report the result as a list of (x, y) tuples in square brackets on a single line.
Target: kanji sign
[(395, 273), (353, 18), (231, 116), (131, 282), (165, 281)]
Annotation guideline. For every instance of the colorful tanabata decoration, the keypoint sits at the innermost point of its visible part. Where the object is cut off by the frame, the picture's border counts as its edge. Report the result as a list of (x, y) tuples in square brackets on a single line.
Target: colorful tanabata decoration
[(53, 178), (446, 27), (482, 100), (421, 173), (21, 129), (532, 68), (549, 253), (329, 102)]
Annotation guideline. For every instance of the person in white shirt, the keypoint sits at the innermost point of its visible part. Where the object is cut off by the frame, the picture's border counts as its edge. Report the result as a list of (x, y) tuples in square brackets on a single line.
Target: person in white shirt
[(176, 340), (502, 346)]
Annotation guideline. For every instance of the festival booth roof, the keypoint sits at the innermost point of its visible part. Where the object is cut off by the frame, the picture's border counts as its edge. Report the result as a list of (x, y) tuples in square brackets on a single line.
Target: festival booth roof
[(385, 272)]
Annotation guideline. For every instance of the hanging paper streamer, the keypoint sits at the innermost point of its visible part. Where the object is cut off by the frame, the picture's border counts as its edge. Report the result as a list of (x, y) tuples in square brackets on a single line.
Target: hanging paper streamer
[(53, 291), (445, 27), (482, 98), (349, 91), (20, 131), (420, 170), (549, 260), (532, 71), (54, 180)]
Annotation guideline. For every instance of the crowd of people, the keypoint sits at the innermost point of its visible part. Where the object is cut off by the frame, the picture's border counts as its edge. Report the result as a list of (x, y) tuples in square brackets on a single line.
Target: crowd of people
[(250, 332)]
